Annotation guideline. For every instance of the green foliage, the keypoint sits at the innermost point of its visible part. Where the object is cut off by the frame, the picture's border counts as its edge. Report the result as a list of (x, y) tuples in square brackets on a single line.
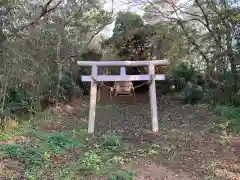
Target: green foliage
[(226, 92), (103, 159), (153, 149), (111, 140), (17, 101), (20, 100), (178, 82), (57, 142), (230, 117), (126, 21), (229, 112), (220, 95), (12, 150), (64, 174), (130, 37), (184, 70), (182, 73), (32, 62), (92, 161), (192, 94), (66, 87), (82, 133), (50, 82), (123, 175), (4, 137), (166, 85), (169, 43), (32, 157), (36, 155)]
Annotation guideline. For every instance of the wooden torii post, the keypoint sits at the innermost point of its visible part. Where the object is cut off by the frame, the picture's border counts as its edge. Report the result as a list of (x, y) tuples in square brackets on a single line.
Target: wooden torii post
[(123, 77)]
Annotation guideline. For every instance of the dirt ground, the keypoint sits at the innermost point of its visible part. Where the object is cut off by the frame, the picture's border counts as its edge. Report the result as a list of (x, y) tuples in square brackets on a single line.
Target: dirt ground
[(192, 148)]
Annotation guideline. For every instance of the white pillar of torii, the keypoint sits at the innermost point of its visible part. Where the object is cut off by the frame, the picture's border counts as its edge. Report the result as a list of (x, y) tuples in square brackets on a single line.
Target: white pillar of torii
[(123, 77)]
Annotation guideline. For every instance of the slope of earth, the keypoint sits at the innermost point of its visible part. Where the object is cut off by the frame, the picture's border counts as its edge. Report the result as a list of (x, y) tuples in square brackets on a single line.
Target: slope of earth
[(188, 145)]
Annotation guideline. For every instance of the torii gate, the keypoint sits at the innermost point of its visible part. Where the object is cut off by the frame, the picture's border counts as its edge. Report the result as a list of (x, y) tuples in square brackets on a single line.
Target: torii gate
[(123, 77)]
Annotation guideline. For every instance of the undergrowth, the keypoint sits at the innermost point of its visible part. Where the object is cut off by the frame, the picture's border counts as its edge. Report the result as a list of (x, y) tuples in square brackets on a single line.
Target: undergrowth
[(128, 175), (37, 156), (32, 157), (230, 118), (56, 142), (4, 137), (104, 157)]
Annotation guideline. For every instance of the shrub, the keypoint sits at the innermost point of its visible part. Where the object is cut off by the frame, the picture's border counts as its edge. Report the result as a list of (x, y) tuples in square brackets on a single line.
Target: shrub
[(221, 96), (111, 140), (28, 98), (17, 101), (183, 70), (49, 85), (230, 117), (92, 161)]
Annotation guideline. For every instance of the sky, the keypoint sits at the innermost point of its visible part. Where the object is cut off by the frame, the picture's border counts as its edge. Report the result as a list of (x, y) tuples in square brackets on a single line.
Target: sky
[(123, 5)]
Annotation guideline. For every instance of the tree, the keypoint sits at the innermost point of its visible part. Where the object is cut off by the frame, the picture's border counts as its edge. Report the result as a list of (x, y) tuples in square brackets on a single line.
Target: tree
[(40, 46), (125, 22), (207, 26)]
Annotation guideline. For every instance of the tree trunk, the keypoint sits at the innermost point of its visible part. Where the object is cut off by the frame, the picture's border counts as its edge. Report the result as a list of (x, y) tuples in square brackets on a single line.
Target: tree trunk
[(4, 94), (230, 55), (59, 63)]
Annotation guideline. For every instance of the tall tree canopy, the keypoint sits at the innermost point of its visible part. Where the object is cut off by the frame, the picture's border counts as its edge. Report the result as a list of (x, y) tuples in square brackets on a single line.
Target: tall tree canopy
[(40, 43), (206, 25)]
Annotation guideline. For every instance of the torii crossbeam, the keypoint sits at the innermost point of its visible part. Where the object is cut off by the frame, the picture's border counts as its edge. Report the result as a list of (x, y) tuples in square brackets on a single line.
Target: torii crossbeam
[(123, 77)]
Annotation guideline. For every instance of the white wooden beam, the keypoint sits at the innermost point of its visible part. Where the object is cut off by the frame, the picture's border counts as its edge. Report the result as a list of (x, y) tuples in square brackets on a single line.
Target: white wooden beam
[(93, 101), (123, 78), (122, 63), (153, 99), (123, 71)]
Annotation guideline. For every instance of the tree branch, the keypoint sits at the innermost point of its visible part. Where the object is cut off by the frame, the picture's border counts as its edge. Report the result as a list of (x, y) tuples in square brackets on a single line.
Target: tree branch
[(45, 10), (205, 16), (75, 15), (165, 16), (191, 40), (93, 36), (89, 41), (207, 25)]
